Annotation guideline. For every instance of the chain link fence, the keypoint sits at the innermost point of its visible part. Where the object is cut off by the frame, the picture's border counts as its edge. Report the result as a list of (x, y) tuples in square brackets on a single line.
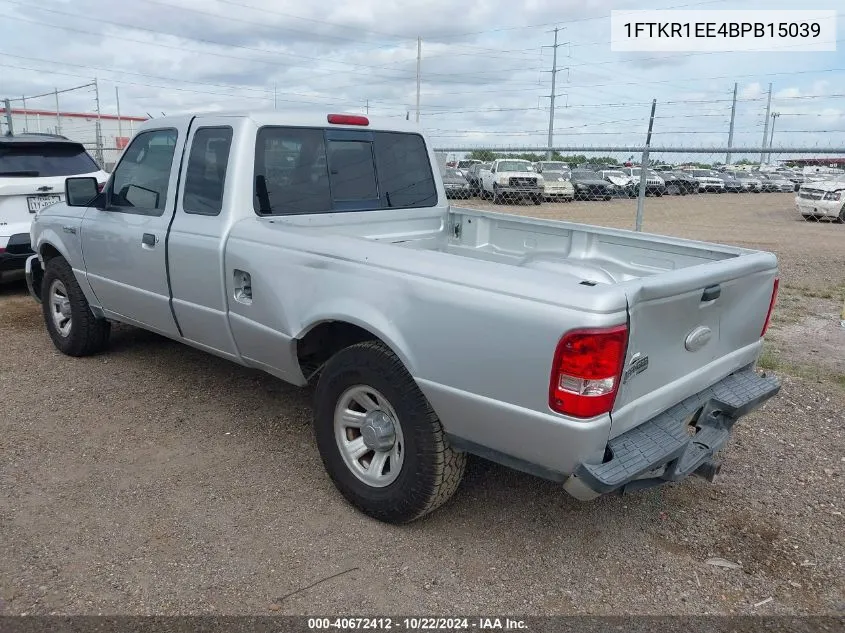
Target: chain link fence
[(649, 188)]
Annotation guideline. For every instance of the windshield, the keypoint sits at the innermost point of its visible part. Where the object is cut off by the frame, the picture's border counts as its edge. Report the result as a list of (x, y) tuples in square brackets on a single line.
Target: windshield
[(554, 166), (701, 173), (463, 164), (635, 171), (614, 173), (45, 159), (514, 165), (584, 173), (453, 173)]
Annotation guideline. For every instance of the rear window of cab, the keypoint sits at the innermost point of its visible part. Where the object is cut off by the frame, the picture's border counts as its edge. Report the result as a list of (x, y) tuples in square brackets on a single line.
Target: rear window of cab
[(317, 170)]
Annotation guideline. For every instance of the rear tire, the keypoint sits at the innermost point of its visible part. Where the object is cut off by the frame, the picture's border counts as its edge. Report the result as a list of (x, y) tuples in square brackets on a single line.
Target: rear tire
[(538, 200), (429, 469), (72, 326)]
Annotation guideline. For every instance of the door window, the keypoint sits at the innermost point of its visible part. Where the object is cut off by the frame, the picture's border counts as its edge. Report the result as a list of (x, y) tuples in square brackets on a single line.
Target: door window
[(206, 173), (141, 179)]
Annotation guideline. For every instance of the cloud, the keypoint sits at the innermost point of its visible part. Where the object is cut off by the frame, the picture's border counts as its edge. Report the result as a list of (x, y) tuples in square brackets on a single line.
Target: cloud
[(484, 77)]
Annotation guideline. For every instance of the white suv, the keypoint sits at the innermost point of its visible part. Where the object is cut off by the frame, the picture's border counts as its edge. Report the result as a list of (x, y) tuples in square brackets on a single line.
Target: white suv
[(33, 168)]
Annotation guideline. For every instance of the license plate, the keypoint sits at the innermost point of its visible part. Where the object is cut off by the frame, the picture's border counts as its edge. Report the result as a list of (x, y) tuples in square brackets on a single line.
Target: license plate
[(36, 203)]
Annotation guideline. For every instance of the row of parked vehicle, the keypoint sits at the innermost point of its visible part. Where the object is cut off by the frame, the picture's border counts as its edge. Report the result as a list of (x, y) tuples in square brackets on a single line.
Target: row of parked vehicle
[(507, 179)]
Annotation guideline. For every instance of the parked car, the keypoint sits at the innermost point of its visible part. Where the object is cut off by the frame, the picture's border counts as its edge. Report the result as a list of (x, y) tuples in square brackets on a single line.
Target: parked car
[(473, 176), (732, 185), (464, 165), (511, 179), (708, 181), (604, 359), (749, 183), (777, 182), (654, 184), (588, 185), (795, 177), (624, 185), (455, 184), (33, 168), (556, 184), (679, 182), (766, 184), (822, 200)]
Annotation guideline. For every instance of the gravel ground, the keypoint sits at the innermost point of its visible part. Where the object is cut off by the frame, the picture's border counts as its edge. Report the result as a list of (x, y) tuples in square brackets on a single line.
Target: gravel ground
[(158, 479)]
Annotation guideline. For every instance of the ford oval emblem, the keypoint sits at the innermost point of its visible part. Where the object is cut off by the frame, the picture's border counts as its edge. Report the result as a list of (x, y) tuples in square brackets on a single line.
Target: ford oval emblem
[(698, 338)]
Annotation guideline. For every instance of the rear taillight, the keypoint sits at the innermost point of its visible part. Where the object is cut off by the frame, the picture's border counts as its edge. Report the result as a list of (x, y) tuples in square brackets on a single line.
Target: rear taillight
[(586, 371), (771, 306), (100, 186), (348, 119)]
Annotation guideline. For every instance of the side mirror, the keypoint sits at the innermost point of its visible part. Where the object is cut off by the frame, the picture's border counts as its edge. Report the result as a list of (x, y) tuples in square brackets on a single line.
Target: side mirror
[(80, 192)]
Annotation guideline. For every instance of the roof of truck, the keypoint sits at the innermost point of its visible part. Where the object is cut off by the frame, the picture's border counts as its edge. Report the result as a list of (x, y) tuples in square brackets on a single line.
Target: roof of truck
[(273, 117)]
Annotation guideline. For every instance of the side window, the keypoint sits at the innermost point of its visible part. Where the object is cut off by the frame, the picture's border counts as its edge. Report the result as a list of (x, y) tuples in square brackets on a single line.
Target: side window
[(206, 173), (353, 172), (141, 178), (404, 170), (291, 171)]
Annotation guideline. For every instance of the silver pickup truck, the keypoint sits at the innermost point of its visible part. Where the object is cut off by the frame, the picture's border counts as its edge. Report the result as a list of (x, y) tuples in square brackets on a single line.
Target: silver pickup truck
[(323, 250)]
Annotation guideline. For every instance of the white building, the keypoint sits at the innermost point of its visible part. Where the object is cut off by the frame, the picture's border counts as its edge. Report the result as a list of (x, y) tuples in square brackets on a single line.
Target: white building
[(80, 126)]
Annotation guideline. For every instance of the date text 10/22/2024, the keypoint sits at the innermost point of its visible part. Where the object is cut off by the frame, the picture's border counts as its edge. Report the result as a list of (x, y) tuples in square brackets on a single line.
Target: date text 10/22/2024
[(417, 624)]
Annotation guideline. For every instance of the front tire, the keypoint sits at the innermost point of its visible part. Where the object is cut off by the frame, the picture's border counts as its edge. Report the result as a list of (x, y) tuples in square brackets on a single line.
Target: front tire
[(380, 441), (72, 326)]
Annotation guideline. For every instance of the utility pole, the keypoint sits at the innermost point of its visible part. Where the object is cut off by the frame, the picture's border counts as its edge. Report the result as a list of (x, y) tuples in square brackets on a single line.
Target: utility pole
[(25, 114), (419, 59), (643, 170), (8, 105), (367, 107), (775, 116), (58, 114), (552, 96), (98, 152), (119, 120), (731, 130), (766, 125)]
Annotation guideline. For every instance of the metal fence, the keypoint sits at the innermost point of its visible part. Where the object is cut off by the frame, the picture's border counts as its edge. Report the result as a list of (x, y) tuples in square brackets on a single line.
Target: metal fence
[(648, 185)]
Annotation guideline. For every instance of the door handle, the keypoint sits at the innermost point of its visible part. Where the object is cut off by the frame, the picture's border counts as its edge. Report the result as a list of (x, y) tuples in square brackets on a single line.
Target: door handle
[(711, 293), (243, 287), (149, 240)]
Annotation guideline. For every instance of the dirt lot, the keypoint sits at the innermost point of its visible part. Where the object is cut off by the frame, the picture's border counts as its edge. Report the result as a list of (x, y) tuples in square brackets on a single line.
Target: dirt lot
[(157, 479)]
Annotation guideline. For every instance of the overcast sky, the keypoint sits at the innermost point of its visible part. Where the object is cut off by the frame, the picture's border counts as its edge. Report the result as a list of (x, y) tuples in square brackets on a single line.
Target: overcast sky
[(483, 79)]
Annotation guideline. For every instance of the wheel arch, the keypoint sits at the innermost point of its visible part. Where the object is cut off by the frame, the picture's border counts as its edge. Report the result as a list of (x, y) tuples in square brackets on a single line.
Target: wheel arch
[(327, 334)]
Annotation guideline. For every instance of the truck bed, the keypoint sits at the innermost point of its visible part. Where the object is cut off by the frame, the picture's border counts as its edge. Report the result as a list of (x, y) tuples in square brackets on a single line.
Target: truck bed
[(662, 283)]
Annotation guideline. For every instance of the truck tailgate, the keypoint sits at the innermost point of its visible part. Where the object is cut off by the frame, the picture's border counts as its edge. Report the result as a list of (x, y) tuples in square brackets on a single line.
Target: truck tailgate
[(689, 329)]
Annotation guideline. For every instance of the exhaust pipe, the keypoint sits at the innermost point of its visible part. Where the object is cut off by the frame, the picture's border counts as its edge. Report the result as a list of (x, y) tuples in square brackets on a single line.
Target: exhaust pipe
[(708, 470)]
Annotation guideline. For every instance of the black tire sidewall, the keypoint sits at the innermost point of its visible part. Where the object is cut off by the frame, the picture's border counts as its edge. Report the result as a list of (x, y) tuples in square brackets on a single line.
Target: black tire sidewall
[(78, 341), (405, 498)]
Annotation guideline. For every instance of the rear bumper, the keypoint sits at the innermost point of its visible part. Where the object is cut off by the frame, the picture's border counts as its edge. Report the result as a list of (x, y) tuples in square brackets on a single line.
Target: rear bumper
[(14, 253), (678, 442)]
